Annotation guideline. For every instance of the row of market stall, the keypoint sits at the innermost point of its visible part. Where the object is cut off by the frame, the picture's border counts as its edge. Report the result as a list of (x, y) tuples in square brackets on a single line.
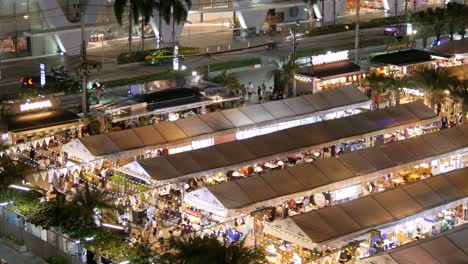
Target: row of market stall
[(449, 247), (217, 127), (280, 144), (439, 152)]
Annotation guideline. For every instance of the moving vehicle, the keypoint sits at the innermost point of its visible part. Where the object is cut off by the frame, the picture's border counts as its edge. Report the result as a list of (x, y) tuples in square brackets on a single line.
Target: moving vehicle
[(160, 57)]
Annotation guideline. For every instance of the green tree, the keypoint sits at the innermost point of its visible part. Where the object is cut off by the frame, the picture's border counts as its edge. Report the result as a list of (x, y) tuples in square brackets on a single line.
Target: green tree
[(139, 254), (377, 84), (230, 81), (177, 10), (459, 89), (394, 84), (137, 9), (198, 250), (88, 200), (285, 70), (12, 170), (433, 81), (423, 21)]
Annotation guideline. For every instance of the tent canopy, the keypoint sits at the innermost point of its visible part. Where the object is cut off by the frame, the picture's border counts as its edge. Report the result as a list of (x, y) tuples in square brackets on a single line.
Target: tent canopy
[(305, 179), (167, 133), (283, 142), (370, 212), (449, 247)]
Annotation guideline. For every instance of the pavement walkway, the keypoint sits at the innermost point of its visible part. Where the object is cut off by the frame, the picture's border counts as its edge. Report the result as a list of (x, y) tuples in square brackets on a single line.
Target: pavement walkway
[(13, 257)]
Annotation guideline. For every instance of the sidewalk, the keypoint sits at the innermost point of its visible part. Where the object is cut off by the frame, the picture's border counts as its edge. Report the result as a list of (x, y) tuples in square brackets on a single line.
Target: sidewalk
[(13, 257)]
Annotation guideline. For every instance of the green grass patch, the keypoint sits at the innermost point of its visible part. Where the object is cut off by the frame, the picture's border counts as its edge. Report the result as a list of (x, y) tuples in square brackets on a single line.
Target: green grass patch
[(227, 65), (364, 43), (170, 74), (137, 56)]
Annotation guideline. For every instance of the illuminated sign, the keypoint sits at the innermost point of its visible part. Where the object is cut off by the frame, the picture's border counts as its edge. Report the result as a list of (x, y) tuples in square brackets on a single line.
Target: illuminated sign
[(175, 62), (400, 46), (42, 74), (330, 57), (35, 105)]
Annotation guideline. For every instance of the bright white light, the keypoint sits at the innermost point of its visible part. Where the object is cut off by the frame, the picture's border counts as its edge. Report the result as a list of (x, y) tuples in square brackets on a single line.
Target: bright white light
[(114, 226), (194, 73), (89, 239), (35, 105), (330, 57), (22, 188), (317, 11), (4, 203), (125, 262), (183, 67)]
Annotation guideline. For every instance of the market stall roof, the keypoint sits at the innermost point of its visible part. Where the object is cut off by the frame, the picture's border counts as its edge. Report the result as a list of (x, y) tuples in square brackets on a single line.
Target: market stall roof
[(329, 69), (39, 120), (448, 247), (377, 209), (328, 132), (343, 171), (167, 133), (451, 48), (402, 58)]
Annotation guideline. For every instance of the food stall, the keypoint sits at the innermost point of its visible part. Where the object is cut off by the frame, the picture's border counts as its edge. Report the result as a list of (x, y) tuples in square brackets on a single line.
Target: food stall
[(401, 62), (36, 119), (328, 71), (452, 53)]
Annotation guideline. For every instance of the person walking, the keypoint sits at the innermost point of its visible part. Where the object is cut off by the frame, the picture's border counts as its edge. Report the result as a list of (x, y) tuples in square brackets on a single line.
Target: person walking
[(259, 92), (250, 91)]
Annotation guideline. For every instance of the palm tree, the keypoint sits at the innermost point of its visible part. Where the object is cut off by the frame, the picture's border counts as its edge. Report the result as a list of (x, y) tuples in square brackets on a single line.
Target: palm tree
[(394, 84), (177, 10), (145, 9), (119, 10), (87, 201), (438, 16), (285, 70), (434, 81), (378, 85), (229, 80), (424, 21), (459, 89), (137, 8), (202, 250)]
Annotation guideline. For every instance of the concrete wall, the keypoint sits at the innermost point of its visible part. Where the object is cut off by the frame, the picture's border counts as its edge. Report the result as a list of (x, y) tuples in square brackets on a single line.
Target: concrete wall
[(69, 40)]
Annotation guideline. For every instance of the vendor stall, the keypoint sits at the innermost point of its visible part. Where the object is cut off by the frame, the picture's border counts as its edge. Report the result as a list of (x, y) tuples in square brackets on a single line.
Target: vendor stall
[(340, 224), (401, 62), (237, 154), (452, 53), (335, 181), (328, 71), (201, 131), (35, 119)]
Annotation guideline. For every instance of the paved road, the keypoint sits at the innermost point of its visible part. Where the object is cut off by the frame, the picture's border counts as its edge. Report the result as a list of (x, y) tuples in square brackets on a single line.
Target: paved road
[(13, 257)]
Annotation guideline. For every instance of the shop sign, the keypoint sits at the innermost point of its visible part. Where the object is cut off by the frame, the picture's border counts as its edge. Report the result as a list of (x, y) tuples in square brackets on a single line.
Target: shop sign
[(175, 60), (35, 105), (400, 46), (330, 57)]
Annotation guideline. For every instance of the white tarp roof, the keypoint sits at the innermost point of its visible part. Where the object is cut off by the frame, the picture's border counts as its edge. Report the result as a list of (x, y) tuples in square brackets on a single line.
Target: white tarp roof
[(167, 133), (336, 225), (283, 142)]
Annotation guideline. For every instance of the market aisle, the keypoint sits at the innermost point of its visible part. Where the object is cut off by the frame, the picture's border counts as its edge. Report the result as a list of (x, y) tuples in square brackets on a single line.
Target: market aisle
[(13, 257)]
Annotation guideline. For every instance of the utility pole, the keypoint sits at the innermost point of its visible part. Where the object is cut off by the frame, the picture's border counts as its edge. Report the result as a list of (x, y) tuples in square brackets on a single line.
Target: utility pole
[(84, 65), (130, 27), (356, 47)]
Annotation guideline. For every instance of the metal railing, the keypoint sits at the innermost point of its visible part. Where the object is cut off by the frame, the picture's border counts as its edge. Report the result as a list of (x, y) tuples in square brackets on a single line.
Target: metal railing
[(40, 242)]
